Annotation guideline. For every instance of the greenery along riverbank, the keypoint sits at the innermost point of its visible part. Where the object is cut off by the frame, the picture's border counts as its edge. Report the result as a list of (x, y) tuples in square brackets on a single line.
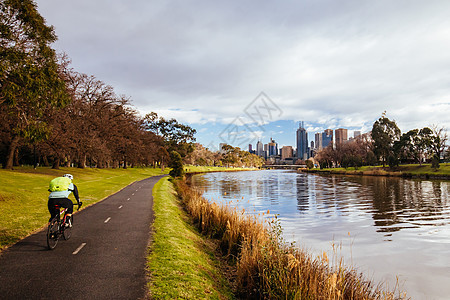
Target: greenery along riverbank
[(23, 194), (424, 171), (265, 266), (181, 263)]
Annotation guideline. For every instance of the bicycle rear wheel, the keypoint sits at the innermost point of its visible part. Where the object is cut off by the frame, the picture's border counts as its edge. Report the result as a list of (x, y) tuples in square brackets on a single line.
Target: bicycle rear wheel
[(67, 231), (52, 234)]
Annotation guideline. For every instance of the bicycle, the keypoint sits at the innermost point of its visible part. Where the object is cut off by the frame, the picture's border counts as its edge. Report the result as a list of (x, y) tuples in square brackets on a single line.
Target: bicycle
[(58, 228)]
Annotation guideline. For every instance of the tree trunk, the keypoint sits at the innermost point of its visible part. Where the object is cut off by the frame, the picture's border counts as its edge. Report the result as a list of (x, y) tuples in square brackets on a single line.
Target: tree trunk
[(11, 152), (45, 161), (16, 157), (55, 164), (82, 162)]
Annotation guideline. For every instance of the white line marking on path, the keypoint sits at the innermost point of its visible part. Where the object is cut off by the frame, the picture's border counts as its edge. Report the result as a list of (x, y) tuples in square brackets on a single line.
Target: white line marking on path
[(79, 248), (107, 220), (120, 206), (128, 199), (132, 194)]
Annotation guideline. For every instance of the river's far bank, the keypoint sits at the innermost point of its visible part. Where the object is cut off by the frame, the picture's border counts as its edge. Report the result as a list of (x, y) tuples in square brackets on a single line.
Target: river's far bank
[(424, 171), (190, 169)]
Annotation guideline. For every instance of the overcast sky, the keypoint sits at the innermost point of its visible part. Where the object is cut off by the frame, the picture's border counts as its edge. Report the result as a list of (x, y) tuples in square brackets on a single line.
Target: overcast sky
[(328, 63)]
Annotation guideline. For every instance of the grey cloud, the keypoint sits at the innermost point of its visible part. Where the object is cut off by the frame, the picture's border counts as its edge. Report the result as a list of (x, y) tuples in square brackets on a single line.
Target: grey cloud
[(318, 57)]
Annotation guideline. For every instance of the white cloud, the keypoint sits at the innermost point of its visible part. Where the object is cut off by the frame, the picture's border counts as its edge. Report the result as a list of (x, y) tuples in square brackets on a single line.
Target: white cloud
[(329, 63)]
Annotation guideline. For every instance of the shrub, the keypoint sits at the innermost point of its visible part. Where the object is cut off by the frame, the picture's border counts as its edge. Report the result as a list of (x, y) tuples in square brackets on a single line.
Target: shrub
[(435, 162), (176, 163)]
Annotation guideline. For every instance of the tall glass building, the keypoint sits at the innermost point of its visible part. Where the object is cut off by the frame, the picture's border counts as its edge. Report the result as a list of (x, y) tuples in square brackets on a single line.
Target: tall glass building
[(259, 149), (302, 142), (273, 148), (327, 137)]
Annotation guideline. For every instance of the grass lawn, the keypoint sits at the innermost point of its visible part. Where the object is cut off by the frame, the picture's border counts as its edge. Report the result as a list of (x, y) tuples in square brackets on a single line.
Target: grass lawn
[(180, 264), (24, 195), (414, 169), (444, 169)]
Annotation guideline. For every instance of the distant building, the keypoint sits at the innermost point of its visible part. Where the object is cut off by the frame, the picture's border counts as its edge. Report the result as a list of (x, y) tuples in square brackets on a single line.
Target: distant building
[(273, 148), (341, 136), (318, 139), (266, 151), (356, 134), (287, 152), (250, 148), (327, 137), (259, 149), (302, 142), (311, 150)]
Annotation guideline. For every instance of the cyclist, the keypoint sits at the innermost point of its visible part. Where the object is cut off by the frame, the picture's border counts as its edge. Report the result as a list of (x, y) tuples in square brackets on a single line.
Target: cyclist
[(60, 189)]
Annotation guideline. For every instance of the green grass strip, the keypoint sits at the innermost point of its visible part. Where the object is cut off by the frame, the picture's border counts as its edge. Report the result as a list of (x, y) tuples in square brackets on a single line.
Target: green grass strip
[(181, 264), (414, 169), (24, 195)]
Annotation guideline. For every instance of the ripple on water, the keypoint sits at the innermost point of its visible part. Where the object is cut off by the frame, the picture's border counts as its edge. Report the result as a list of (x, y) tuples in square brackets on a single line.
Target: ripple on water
[(404, 225)]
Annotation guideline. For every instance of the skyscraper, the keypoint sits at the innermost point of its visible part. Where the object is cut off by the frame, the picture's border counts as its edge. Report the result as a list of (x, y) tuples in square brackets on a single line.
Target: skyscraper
[(302, 142), (273, 148), (287, 152), (327, 137), (318, 138), (341, 136), (259, 149)]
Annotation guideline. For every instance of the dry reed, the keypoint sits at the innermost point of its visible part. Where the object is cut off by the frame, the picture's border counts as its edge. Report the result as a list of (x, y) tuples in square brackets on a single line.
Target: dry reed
[(267, 267)]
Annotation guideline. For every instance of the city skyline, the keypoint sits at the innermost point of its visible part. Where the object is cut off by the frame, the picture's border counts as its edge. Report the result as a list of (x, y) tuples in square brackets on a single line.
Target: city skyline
[(337, 136)]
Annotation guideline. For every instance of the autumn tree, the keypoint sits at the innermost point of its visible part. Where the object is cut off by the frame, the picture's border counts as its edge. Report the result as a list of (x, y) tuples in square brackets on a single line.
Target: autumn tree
[(439, 140), (202, 156), (355, 153), (30, 77), (234, 156), (326, 157)]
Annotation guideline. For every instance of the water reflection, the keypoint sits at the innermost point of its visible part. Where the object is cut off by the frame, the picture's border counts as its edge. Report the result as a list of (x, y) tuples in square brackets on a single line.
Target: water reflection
[(393, 203), (302, 193), (391, 225)]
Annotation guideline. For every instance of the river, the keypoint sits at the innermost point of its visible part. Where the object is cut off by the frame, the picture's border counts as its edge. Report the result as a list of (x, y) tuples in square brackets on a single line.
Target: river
[(391, 229)]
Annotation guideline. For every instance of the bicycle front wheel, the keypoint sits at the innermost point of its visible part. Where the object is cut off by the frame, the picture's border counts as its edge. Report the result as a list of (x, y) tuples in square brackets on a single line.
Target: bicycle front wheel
[(52, 234), (67, 231)]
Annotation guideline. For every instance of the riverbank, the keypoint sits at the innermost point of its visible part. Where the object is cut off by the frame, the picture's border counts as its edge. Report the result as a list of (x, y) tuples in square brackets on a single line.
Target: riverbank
[(406, 171), (192, 170), (181, 262), (265, 266)]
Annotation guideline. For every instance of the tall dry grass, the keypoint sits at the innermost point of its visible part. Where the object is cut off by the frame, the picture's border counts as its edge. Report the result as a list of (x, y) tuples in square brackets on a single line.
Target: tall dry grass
[(267, 267)]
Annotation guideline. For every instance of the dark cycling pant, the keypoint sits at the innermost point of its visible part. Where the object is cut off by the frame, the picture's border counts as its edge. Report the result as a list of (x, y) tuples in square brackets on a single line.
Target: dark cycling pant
[(62, 202)]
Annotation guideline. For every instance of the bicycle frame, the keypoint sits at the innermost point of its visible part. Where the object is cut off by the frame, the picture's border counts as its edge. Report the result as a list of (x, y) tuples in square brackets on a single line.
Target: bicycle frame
[(57, 228), (62, 213)]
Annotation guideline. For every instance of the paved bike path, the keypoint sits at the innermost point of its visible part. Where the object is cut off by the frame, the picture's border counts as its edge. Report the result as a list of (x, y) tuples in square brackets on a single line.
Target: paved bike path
[(104, 259)]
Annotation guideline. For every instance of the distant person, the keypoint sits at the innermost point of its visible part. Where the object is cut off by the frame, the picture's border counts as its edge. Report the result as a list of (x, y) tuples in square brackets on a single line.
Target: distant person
[(60, 188)]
